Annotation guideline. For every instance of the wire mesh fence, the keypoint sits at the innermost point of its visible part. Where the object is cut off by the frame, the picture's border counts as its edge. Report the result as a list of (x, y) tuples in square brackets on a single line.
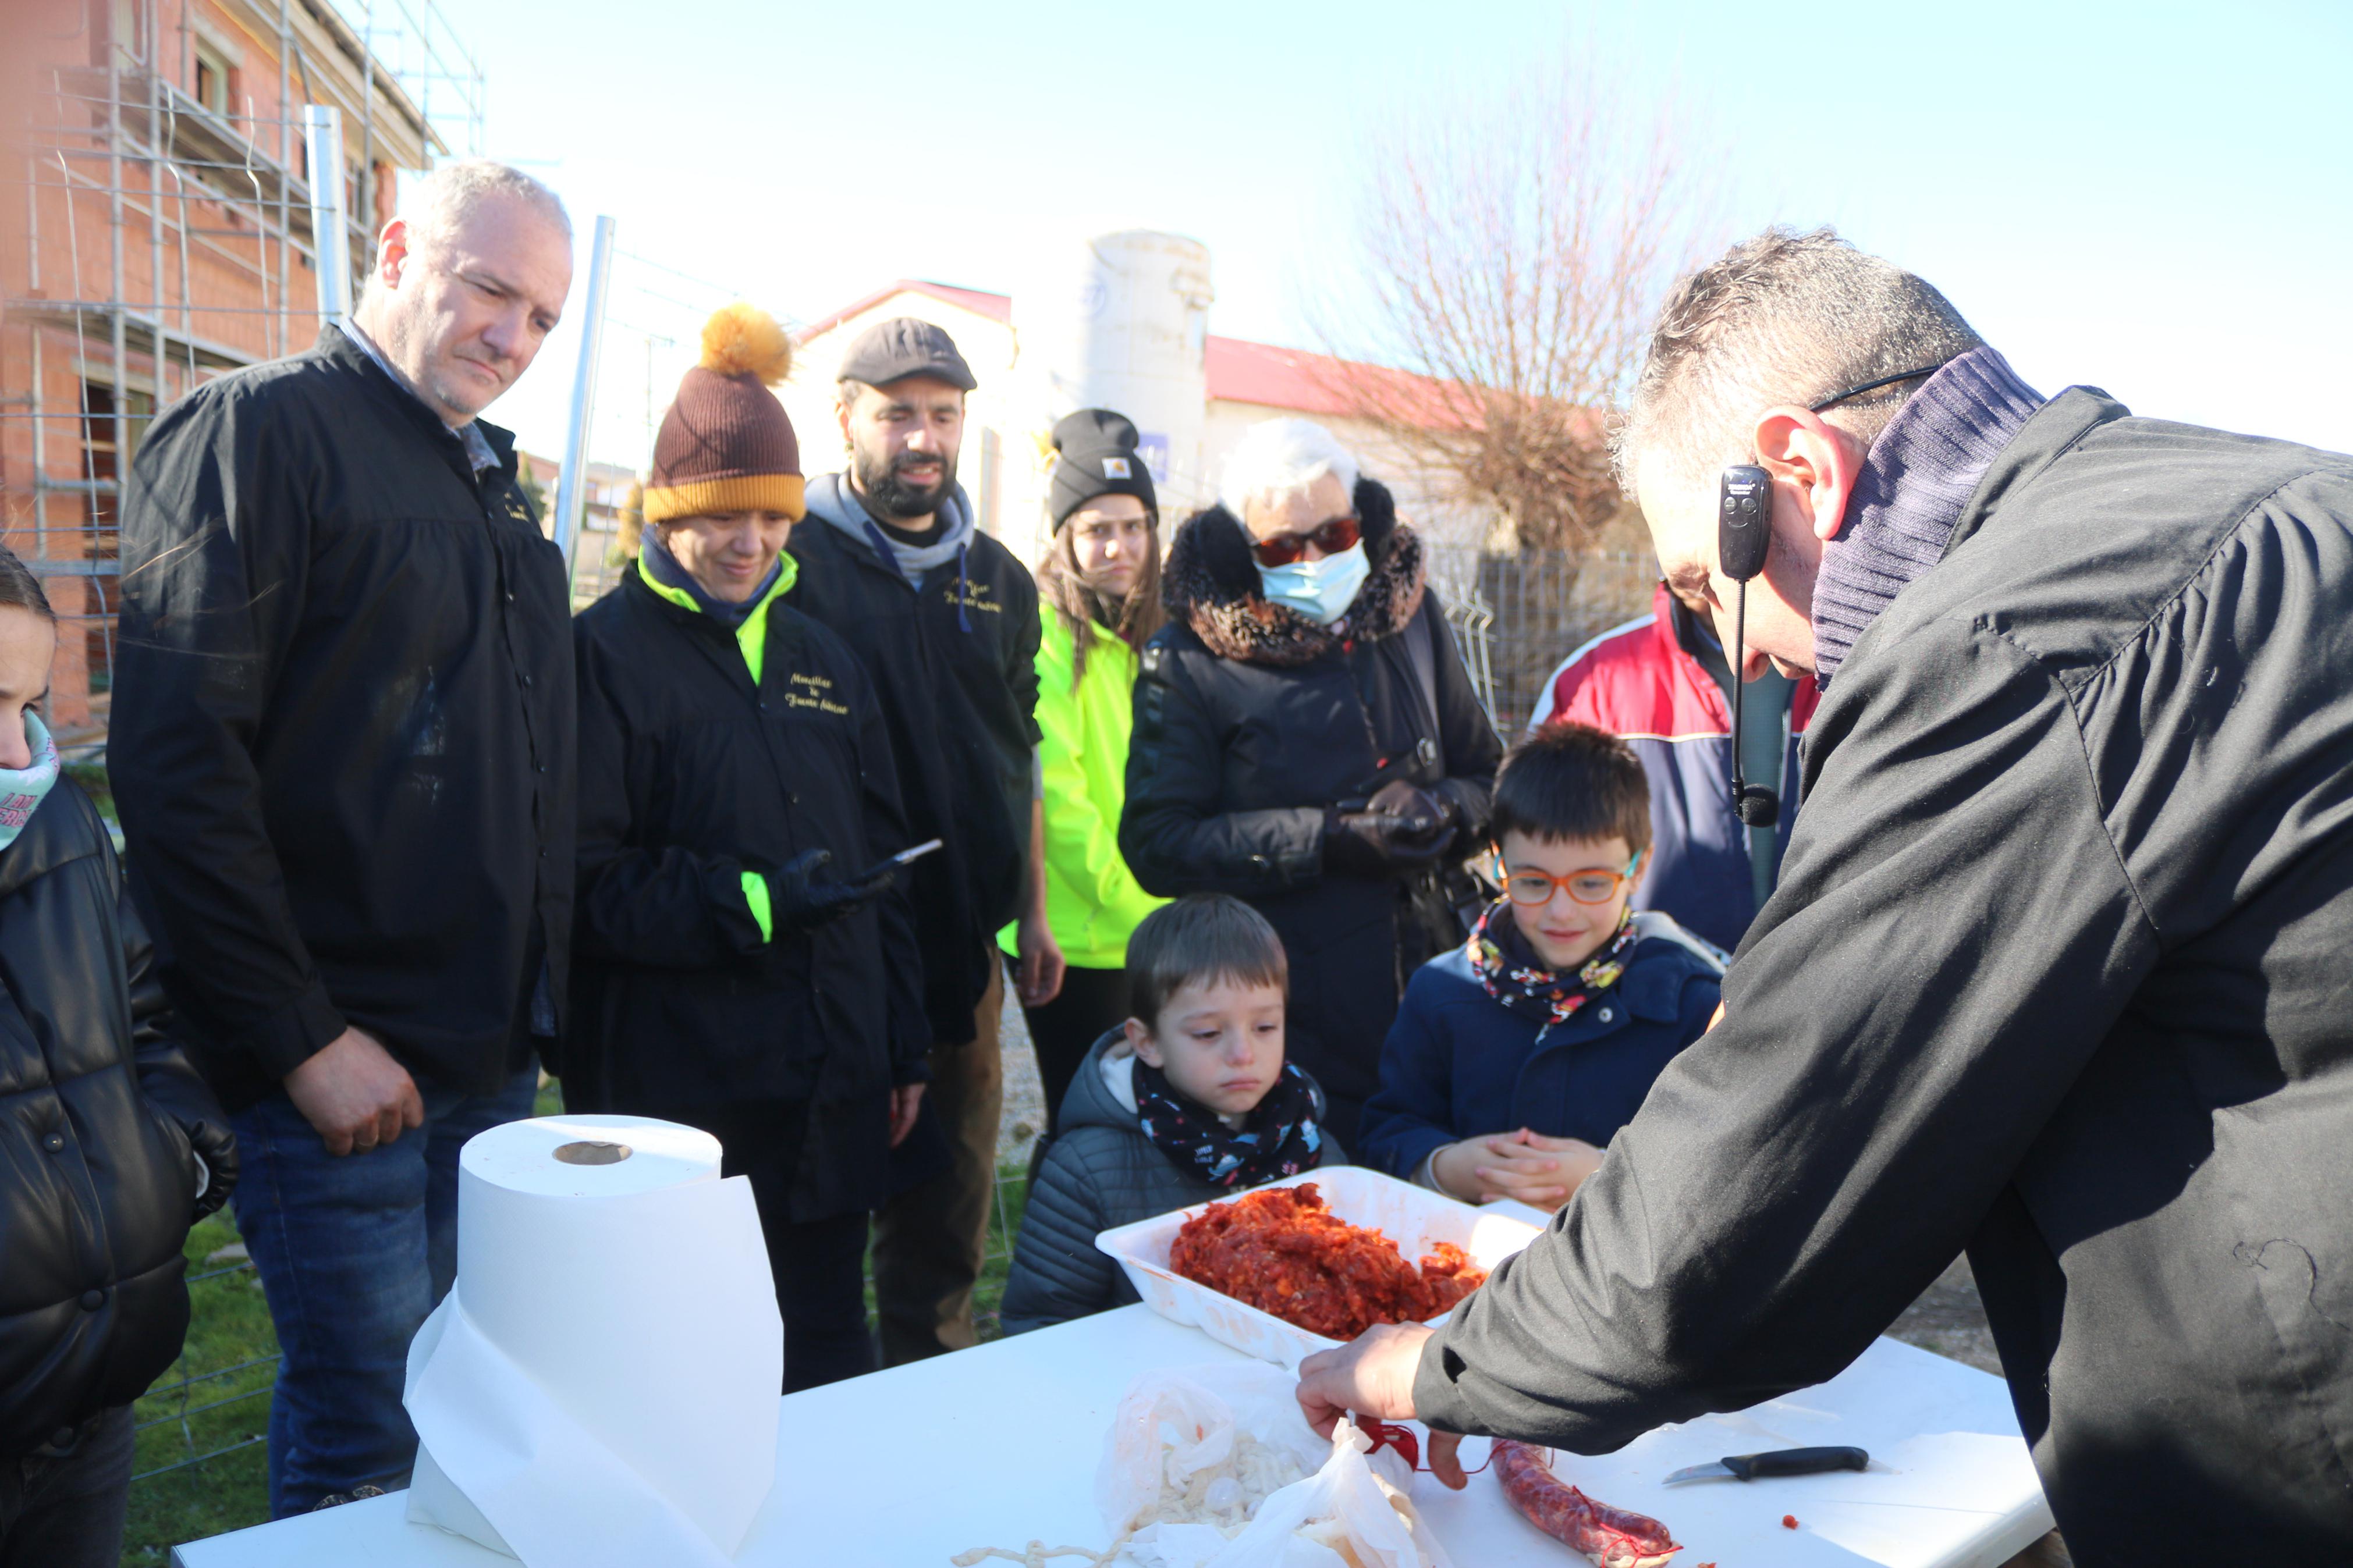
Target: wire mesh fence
[(213, 1401), (1516, 616)]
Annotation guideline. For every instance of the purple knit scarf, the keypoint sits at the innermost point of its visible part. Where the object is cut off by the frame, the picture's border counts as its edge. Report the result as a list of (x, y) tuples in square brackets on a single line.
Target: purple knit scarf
[(1918, 476)]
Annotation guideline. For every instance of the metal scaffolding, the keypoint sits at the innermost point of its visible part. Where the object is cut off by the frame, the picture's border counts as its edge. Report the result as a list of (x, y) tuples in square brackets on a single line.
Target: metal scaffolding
[(163, 234)]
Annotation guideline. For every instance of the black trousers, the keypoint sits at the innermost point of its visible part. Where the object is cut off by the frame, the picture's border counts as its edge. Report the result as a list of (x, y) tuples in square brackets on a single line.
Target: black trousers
[(820, 1269), (65, 1507), (820, 1265), (1065, 1029)]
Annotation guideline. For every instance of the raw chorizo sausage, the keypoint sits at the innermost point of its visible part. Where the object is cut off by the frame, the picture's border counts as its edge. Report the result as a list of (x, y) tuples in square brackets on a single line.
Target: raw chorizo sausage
[(1612, 1537)]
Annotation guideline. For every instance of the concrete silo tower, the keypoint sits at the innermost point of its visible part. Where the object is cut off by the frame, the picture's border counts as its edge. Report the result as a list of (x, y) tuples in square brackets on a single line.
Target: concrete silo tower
[(1125, 325)]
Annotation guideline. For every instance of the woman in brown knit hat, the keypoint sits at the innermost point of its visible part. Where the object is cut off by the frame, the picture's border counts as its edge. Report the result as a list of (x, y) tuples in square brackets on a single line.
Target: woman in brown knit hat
[(743, 965)]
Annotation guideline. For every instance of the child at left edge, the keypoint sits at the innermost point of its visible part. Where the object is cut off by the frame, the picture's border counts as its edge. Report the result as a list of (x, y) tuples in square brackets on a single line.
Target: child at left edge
[(1517, 1057), (1188, 1102)]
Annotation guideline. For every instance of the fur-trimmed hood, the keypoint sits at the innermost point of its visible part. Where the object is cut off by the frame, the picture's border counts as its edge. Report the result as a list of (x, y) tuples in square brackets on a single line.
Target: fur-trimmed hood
[(1211, 583)]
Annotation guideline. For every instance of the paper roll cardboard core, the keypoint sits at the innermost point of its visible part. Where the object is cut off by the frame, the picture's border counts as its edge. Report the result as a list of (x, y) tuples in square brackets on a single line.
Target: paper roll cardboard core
[(593, 1152)]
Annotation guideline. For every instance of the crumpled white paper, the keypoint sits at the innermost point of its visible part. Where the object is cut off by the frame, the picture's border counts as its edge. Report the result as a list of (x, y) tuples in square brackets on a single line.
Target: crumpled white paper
[(1176, 1422), (600, 1386)]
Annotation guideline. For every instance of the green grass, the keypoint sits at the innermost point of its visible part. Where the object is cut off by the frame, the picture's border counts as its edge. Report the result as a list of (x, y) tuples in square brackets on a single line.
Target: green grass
[(218, 1423), (215, 1402), (94, 784)]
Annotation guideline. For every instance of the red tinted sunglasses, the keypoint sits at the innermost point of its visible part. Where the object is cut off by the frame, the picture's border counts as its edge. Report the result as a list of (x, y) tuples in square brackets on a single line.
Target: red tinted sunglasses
[(1330, 537)]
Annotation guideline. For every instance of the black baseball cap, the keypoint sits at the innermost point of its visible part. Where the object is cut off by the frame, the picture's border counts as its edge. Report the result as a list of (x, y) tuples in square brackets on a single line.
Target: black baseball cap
[(903, 346)]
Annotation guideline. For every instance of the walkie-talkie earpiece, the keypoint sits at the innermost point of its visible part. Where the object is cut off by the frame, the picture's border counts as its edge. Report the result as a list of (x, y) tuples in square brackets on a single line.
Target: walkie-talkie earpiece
[(1744, 521), (1744, 535)]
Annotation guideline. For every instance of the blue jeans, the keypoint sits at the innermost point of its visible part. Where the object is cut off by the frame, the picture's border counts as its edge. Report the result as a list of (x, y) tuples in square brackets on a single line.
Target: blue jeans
[(354, 1252)]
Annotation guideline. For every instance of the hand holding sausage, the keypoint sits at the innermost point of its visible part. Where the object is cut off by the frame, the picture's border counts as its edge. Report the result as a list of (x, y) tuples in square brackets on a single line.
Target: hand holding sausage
[(1372, 1375)]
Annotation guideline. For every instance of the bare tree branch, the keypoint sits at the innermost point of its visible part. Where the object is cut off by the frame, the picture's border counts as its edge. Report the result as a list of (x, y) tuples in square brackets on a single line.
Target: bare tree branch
[(1512, 247)]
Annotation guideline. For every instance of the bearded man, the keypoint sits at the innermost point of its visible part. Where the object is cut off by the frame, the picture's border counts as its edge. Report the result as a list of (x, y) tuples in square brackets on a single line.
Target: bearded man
[(945, 620)]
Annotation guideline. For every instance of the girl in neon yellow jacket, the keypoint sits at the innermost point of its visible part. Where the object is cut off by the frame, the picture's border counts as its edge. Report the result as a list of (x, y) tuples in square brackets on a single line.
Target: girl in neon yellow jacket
[(1099, 588)]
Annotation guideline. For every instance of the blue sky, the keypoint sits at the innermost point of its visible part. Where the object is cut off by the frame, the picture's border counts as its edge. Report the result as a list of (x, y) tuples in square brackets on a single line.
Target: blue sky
[(2153, 198)]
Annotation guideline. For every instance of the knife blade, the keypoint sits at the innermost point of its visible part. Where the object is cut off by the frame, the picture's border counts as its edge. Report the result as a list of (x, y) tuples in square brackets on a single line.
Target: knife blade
[(1780, 1462)]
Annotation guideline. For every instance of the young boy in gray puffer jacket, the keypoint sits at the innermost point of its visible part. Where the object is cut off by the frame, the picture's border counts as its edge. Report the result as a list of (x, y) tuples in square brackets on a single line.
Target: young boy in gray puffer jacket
[(1188, 1101)]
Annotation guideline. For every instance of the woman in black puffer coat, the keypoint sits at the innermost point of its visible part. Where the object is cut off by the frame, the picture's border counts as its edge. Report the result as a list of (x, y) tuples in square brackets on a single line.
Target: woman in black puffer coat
[(111, 1146), (1326, 762)]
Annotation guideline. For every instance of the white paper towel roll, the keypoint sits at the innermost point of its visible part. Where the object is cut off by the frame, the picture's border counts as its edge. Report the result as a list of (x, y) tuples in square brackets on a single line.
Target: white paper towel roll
[(600, 1388)]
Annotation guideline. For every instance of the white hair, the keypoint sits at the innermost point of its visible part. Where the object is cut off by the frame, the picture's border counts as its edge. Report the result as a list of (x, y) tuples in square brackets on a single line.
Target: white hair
[(441, 201), (1278, 459)]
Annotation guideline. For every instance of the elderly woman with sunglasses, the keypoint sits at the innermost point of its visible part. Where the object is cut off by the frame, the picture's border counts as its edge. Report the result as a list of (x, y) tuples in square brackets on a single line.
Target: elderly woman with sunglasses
[(1306, 739)]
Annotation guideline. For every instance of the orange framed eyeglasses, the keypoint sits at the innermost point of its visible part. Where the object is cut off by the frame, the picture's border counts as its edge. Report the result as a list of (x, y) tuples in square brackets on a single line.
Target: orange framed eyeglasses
[(1594, 887)]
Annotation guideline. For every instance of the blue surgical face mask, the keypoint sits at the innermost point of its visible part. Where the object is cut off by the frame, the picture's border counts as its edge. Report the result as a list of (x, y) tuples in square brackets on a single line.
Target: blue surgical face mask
[(1320, 590), (21, 789)]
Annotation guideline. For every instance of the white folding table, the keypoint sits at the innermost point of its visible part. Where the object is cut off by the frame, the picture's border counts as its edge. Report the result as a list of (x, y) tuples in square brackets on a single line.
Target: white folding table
[(996, 1445)]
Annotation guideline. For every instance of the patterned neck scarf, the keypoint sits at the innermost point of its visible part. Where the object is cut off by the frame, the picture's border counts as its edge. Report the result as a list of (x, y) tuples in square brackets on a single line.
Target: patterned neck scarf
[(1278, 1138), (1508, 967), (23, 789)]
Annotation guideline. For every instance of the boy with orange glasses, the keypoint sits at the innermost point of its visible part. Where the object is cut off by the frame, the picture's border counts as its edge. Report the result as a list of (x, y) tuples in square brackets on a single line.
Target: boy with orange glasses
[(1515, 1058)]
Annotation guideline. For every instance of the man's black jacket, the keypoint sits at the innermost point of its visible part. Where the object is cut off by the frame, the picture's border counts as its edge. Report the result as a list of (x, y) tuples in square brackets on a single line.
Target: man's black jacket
[(960, 700), (342, 728), (690, 775), (99, 1115), (2061, 969)]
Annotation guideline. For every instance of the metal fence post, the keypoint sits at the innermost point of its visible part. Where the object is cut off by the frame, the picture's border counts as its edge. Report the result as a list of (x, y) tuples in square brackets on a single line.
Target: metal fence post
[(331, 243), (571, 484)]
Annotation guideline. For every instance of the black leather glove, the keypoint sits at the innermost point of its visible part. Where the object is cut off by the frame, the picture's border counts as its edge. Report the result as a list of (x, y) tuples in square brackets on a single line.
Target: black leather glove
[(801, 900), (215, 1145), (1402, 826)]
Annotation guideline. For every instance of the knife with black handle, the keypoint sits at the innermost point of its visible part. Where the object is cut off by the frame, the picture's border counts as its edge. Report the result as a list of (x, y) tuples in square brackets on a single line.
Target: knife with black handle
[(1779, 1462)]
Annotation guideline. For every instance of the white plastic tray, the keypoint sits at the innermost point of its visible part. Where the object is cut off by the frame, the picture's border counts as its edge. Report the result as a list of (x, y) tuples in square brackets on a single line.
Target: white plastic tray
[(1413, 1217)]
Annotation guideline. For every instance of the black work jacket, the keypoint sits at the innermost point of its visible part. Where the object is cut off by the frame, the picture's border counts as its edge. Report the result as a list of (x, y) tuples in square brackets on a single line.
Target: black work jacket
[(342, 737), (960, 702), (1230, 769), (100, 1114), (691, 775), (2057, 970)]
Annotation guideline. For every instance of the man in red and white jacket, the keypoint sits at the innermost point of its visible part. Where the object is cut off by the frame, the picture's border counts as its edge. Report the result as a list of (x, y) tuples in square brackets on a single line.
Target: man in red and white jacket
[(1662, 684)]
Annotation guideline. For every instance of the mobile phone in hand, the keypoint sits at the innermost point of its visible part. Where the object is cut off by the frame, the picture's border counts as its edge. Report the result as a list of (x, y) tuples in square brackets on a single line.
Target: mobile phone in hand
[(904, 857)]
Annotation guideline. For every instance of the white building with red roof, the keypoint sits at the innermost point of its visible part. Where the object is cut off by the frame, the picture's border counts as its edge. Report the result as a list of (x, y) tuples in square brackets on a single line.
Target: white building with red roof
[(1006, 458)]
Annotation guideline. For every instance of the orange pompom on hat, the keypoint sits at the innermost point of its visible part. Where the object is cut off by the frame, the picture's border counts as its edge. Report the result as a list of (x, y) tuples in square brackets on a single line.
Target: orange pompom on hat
[(726, 444)]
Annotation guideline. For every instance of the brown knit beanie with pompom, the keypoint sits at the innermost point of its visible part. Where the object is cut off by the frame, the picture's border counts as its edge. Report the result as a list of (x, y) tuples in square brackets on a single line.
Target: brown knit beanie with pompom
[(726, 445)]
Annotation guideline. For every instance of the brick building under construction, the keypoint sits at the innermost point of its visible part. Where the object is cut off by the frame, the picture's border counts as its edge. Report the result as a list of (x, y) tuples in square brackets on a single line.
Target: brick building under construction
[(156, 230)]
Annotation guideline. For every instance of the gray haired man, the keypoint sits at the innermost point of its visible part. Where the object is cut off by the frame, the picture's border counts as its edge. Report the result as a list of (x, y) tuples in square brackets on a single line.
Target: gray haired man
[(2056, 972), (341, 747)]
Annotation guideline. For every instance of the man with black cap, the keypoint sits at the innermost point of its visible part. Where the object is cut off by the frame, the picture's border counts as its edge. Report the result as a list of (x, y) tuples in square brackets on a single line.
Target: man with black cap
[(945, 620)]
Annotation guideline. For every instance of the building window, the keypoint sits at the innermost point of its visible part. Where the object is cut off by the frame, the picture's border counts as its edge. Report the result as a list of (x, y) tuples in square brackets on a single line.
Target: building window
[(212, 79)]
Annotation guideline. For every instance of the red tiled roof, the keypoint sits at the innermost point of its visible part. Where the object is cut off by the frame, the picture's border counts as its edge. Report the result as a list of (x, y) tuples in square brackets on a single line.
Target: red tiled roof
[(995, 307), (1241, 372), (1237, 371)]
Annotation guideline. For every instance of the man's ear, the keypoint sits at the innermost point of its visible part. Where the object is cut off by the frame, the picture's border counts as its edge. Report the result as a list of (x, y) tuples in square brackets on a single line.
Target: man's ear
[(392, 252), (1813, 459), (1140, 1041)]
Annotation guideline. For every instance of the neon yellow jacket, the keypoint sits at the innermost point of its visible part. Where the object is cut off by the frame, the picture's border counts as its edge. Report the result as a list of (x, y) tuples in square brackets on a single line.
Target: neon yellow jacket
[(1093, 902)]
